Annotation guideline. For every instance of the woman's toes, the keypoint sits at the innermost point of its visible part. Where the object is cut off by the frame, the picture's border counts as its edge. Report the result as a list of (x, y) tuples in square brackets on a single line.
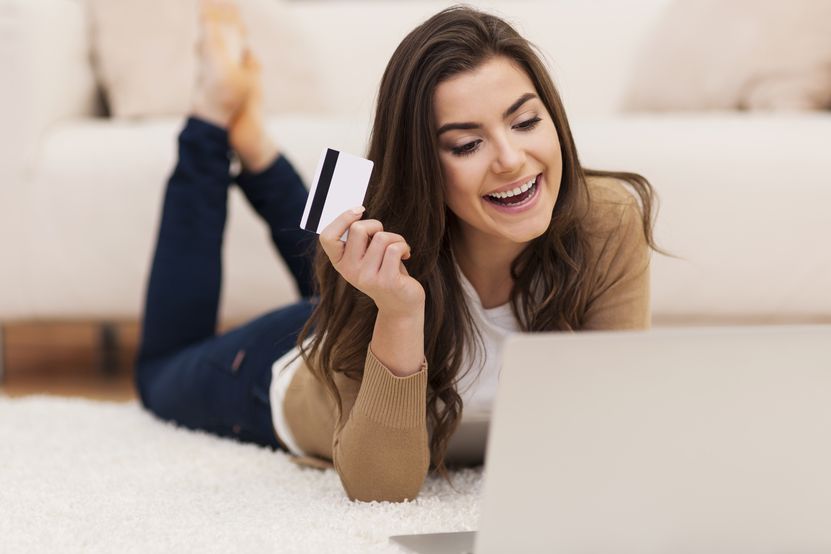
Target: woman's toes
[(227, 12), (222, 30)]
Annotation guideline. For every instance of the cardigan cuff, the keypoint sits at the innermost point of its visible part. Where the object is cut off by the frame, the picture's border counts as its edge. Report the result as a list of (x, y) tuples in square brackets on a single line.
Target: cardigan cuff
[(399, 402)]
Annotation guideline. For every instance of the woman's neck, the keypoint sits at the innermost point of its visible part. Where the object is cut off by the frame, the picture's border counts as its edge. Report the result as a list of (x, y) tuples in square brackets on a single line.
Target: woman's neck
[(486, 262)]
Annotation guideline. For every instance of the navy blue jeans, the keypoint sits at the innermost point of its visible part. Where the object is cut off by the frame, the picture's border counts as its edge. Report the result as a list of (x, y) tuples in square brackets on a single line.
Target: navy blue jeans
[(185, 372)]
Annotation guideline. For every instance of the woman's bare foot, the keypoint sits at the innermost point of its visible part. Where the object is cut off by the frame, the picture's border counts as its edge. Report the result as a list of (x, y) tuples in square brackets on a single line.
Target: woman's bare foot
[(224, 80), (229, 90), (247, 132)]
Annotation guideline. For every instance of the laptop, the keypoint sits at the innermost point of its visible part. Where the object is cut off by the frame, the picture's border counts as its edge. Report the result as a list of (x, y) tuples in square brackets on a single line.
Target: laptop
[(713, 440)]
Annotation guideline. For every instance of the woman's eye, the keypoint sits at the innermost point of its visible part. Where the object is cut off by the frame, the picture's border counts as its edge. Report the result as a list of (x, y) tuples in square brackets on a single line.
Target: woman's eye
[(528, 125), (466, 149)]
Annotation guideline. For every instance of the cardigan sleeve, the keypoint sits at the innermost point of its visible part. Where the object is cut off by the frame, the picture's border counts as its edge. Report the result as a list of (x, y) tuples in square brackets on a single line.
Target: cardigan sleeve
[(380, 447), (381, 451)]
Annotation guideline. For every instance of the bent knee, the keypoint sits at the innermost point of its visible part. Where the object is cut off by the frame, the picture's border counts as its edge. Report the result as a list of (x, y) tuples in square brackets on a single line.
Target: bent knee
[(150, 397)]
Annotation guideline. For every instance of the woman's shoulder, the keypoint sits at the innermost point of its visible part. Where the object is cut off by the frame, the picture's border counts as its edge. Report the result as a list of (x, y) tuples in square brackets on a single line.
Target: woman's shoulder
[(611, 204), (613, 222)]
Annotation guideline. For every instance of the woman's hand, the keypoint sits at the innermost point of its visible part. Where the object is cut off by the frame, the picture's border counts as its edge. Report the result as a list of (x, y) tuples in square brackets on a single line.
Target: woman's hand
[(371, 260)]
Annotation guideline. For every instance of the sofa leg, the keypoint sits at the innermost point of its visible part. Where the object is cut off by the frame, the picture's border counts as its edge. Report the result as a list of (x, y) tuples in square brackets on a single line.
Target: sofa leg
[(108, 348)]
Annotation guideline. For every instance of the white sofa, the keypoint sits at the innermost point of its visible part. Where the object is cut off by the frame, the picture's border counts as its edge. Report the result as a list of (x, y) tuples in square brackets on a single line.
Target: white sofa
[(744, 196)]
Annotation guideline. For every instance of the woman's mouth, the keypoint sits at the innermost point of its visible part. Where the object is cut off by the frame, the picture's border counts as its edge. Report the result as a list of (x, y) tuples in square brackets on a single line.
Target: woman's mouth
[(519, 197)]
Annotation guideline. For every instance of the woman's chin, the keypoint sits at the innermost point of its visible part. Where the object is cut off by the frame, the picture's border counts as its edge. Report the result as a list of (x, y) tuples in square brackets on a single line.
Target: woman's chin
[(523, 233), (528, 229), (526, 236)]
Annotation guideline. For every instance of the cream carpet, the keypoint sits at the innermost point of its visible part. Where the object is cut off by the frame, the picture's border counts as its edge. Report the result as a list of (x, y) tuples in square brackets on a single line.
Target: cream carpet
[(84, 476)]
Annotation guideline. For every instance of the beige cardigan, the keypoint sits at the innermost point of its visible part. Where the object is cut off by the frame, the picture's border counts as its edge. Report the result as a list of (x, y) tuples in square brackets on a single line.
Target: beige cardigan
[(381, 452)]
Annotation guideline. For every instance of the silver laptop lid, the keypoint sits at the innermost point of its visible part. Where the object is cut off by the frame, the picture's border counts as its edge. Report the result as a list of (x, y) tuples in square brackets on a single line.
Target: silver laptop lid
[(715, 440)]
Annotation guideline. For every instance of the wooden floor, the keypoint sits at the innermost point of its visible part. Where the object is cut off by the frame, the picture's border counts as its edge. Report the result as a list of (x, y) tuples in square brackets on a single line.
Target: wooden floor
[(118, 389), (70, 358), (95, 359)]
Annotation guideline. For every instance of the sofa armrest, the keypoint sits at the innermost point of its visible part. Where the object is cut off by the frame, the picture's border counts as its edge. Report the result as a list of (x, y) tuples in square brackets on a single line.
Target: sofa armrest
[(48, 75)]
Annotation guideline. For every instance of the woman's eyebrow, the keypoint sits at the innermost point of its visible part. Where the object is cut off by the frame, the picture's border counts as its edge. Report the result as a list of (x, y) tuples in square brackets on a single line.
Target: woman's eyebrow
[(520, 101), (469, 125)]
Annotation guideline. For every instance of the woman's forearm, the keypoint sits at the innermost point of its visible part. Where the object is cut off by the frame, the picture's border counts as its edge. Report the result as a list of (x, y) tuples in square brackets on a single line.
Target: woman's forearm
[(398, 342)]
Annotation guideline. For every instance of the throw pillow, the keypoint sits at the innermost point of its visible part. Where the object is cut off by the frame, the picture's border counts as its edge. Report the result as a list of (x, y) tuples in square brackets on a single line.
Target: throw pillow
[(735, 54), (145, 55)]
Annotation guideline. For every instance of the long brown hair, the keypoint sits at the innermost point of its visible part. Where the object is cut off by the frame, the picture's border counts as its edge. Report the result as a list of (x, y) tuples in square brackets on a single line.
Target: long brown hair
[(406, 193)]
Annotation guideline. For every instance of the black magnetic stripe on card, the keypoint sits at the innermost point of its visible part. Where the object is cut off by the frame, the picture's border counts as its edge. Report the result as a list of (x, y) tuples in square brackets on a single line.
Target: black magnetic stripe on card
[(322, 190)]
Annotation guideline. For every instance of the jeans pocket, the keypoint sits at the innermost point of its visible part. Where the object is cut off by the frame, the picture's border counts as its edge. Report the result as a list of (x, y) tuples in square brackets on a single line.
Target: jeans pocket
[(229, 358)]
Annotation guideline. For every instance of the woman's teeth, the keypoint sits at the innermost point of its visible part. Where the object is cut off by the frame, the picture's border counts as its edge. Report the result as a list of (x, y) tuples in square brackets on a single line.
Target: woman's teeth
[(517, 196), (515, 192)]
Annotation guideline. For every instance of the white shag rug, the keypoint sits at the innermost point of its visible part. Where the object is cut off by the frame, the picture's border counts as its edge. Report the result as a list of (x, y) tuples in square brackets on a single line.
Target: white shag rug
[(85, 476)]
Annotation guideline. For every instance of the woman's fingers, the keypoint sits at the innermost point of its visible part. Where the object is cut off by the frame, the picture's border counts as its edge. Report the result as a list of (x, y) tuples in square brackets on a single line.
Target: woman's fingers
[(392, 267), (371, 260), (375, 252), (331, 234), (360, 235)]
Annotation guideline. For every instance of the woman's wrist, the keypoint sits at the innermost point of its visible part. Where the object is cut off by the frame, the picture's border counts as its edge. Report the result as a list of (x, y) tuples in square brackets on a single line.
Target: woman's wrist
[(398, 341)]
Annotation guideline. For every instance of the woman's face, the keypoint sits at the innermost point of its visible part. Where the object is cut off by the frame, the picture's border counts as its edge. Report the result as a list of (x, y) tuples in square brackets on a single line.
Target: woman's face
[(500, 152)]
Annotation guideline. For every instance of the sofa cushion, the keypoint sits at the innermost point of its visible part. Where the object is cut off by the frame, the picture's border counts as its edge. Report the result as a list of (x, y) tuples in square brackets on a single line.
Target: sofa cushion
[(145, 53), (588, 46), (338, 51), (746, 54), (742, 205), (93, 209), (743, 213)]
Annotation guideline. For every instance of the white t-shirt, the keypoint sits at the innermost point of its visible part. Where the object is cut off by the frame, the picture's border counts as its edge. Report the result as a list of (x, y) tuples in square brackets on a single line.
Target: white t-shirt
[(477, 386)]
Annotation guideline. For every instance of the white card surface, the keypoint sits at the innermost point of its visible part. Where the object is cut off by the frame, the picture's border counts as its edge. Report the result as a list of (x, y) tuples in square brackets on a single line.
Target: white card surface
[(339, 184)]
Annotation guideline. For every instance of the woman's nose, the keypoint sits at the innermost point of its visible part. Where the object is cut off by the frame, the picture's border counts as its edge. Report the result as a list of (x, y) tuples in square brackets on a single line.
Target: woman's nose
[(510, 157)]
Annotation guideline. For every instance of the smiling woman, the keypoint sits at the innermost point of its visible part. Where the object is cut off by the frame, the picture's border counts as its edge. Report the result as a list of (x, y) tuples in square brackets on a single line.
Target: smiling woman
[(477, 173), (502, 167), (479, 221)]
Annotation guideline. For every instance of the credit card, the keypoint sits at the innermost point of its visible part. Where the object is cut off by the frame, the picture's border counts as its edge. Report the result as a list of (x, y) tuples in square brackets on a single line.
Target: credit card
[(339, 184)]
